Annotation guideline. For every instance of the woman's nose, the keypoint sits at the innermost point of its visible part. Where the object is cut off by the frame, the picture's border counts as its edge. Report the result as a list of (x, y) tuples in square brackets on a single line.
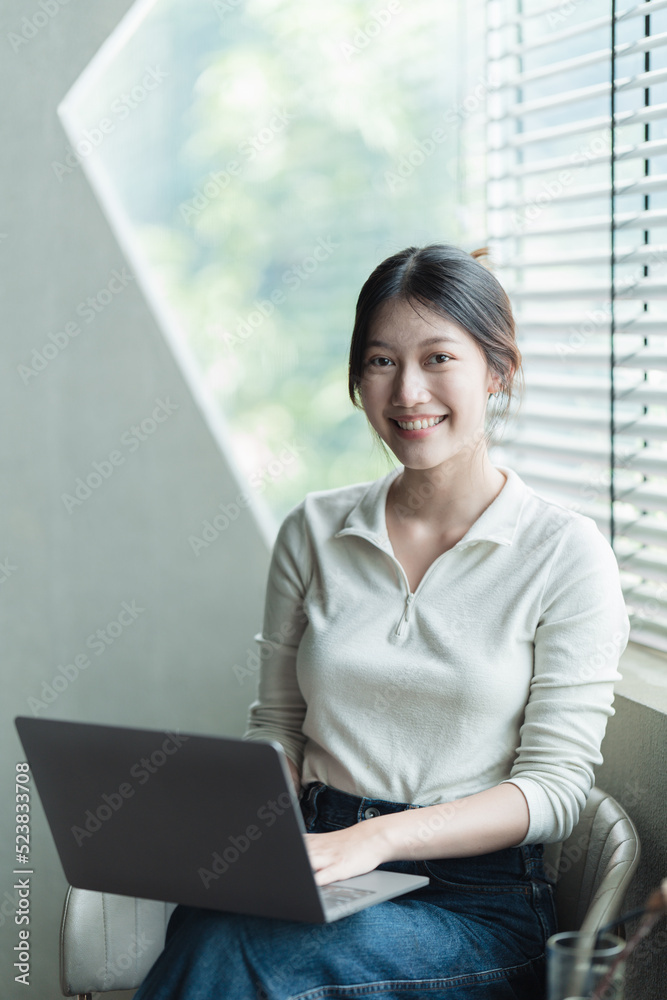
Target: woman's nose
[(409, 387)]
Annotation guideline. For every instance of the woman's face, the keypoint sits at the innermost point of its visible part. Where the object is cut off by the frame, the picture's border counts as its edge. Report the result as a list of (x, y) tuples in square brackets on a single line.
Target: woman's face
[(419, 365)]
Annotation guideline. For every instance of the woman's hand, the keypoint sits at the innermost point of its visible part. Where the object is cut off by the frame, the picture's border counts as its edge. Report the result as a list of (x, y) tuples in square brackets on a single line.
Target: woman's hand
[(343, 853)]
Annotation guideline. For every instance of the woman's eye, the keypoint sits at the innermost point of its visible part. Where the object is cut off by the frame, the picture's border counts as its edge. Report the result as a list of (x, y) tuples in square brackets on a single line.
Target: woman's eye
[(381, 362)]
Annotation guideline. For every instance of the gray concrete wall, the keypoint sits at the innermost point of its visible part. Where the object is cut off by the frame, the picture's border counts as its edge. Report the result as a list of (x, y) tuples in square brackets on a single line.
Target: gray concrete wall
[(635, 773), (69, 568)]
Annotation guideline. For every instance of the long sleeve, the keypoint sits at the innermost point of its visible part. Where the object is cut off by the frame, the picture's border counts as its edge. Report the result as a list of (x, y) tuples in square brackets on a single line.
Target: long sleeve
[(279, 709), (582, 632)]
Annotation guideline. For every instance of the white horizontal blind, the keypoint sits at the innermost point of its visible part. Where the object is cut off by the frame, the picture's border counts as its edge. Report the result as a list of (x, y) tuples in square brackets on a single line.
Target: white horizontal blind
[(577, 201)]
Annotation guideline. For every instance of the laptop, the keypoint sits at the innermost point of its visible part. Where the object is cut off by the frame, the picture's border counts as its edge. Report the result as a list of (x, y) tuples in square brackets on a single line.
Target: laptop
[(207, 821)]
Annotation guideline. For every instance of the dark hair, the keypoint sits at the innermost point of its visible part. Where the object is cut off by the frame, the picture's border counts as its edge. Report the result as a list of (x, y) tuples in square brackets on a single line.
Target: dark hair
[(451, 282)]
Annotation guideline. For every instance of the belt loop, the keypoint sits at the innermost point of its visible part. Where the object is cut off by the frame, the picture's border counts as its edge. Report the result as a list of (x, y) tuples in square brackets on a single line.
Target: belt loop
[(314, 788), (307, 809), (532, 855), (526, 860)]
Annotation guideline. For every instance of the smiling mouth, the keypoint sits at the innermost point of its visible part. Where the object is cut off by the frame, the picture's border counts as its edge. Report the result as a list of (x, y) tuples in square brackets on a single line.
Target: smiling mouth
[(416, 425)]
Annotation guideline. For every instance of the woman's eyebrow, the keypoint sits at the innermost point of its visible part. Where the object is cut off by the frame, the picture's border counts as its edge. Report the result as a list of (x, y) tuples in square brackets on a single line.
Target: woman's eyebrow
[(423, 343)]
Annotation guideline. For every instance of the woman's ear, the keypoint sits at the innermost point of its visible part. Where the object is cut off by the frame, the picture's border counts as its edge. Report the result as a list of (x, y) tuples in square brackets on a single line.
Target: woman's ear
[(495, 383)]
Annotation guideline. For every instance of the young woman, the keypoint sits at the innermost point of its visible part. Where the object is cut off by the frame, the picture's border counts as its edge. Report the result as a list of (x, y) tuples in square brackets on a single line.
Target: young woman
[(441, 682)]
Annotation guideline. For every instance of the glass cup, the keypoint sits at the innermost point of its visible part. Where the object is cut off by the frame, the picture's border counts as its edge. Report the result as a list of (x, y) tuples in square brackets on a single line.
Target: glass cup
[(578, 964)]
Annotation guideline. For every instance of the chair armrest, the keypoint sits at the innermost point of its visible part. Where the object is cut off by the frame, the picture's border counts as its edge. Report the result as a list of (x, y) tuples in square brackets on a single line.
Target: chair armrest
[(109, 942), (596, 865)]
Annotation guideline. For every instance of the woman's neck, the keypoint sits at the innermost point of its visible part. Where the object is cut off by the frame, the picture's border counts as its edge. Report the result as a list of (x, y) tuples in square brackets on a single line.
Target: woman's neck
[(447, 499)]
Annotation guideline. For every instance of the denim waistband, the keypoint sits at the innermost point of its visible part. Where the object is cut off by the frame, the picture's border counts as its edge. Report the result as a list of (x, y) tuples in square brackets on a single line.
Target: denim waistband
[(346, 809)]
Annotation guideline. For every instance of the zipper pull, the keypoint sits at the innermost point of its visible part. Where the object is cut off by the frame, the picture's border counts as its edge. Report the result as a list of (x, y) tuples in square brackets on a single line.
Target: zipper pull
[(406, 614)]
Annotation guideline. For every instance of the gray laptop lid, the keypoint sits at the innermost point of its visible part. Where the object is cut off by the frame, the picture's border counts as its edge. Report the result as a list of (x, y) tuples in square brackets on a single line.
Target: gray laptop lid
[(206, 821)]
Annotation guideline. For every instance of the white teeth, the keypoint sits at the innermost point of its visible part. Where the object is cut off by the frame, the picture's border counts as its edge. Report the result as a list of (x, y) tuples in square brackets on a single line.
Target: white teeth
[(417, 425)]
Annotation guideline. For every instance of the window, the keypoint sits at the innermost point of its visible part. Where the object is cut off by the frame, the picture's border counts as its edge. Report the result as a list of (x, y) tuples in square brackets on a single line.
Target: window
[(577, 201), (265, 156)]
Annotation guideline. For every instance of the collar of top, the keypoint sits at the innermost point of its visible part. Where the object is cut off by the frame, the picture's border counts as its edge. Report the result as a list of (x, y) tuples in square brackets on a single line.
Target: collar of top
[(498, 523)]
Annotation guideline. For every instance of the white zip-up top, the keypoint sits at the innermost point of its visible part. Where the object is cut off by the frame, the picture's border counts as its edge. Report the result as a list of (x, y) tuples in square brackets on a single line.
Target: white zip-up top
[(499, 667)]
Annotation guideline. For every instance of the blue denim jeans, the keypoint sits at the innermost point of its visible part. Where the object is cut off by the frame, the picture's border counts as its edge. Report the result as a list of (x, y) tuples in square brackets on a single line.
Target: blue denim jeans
[(476, 932)]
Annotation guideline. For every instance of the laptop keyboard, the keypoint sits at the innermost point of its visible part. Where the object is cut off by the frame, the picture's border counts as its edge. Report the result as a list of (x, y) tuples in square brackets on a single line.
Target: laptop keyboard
[(332, 894)]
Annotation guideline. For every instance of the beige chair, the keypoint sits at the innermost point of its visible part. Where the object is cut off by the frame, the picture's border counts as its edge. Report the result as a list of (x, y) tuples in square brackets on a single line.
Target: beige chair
[(110, 942)]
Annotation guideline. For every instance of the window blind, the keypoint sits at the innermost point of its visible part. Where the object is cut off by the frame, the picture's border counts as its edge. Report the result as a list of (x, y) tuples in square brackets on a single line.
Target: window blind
[(577, 222)]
